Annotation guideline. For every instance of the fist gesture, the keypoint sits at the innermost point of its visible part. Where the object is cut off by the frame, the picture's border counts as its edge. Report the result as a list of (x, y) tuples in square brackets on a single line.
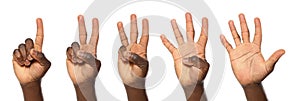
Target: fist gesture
[(132, 58), (189, 58), (248, 64), (82, 63), (29, 63)]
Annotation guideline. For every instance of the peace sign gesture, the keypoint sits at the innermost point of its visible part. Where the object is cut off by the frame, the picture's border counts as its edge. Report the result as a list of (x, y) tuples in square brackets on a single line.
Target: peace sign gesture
[(248, 64), (132, 61), (29, 63), (82, 63)]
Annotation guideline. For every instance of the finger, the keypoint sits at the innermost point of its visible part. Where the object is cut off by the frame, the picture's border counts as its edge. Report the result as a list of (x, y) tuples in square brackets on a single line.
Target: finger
[(22, 49), (122, 51), (226, 44), (40, 57), (18, 57), (39, 35), (137, 60), (29, 45), (122, 34), (145, 36), (273, 59), (95, 34), (204, 33), (234, 33), (258, 32), (89, 59), (167, 43), (75, 46), (195, 61), (189, 27), (244, 28), (133, 29), (82, 30), (177, 32), (70, 54)]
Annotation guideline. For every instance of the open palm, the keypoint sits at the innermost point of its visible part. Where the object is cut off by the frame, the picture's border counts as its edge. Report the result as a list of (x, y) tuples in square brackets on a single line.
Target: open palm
[(247, 61)]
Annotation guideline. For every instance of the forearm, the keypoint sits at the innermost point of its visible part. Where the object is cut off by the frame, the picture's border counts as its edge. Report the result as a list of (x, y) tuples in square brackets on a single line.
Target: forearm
[(85, 92), (195, 93), (32, 91), (255, 92), (136, 94)]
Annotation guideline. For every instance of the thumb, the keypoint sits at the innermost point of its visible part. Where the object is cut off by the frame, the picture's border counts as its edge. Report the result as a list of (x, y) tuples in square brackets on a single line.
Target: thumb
[(273, 59), (89, 59), (137, 60), (196, 62), (40, 57)]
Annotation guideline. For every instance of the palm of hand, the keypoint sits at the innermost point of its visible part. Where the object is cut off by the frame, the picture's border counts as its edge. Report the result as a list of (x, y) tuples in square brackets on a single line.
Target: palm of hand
[(82, 71), (186, 74), (248, 64), (129, 72)]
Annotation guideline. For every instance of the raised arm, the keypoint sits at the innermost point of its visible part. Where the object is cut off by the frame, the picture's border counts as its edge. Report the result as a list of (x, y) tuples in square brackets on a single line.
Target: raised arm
[(82, 63), (30, 65), (132, 60), (189, 58)]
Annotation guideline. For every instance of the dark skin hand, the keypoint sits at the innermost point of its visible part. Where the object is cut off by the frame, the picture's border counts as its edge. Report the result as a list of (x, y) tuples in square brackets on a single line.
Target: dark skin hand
[(189, 58), (82, 63), (248, 65), (132, 60), (30, 65)]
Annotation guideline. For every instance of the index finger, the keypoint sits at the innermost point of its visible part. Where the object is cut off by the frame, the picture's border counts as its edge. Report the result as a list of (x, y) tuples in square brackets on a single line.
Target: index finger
[(39, 35), (82, 30), (122, 34)]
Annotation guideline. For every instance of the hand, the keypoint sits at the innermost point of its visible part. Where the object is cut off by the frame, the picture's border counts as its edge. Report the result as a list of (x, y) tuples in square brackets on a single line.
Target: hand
[(190, 64), (82, 63), (132, 58), (29, 63), (248, 64)]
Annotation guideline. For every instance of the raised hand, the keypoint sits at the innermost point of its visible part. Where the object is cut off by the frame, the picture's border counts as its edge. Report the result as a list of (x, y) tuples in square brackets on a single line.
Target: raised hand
[(82, 63), (29, 63), (189, 58), (132, 58), (248, 64)]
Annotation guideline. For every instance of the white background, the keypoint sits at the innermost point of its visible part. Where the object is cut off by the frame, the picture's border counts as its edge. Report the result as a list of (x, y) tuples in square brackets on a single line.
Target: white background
[(17, 22)]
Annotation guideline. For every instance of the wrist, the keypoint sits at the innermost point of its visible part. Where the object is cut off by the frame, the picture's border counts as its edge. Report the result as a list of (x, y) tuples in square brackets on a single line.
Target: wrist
[(85, 91), (32, 84), (136, 94), (254, 92), (195, 92), (32, 91)]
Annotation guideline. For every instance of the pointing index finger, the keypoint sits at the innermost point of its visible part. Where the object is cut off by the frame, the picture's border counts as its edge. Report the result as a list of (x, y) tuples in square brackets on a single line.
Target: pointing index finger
[(39, 35)]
